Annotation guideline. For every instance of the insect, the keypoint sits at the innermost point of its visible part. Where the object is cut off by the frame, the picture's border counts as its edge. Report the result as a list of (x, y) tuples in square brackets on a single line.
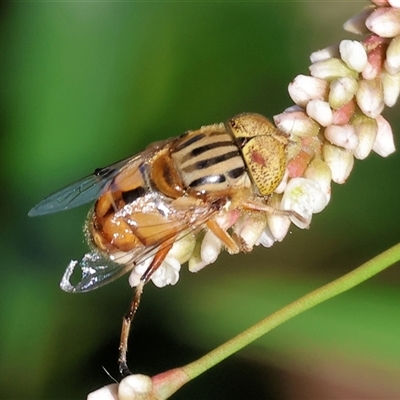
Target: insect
[(203, 180)]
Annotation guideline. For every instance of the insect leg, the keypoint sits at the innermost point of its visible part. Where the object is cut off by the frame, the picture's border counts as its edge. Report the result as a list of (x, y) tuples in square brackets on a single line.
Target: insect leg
[(253, 206), (223, 236), (128, 318)]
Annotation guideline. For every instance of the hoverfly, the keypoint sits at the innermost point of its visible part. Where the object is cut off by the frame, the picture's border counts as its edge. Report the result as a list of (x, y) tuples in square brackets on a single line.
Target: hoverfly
[(180, 186)]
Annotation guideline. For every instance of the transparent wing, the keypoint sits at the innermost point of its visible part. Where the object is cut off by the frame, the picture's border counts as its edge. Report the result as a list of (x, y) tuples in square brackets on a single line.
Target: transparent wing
[(81, 192), (97, 270)]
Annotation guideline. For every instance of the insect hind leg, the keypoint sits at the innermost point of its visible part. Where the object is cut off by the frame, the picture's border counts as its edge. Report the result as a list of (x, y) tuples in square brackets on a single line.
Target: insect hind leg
[(128, 318)]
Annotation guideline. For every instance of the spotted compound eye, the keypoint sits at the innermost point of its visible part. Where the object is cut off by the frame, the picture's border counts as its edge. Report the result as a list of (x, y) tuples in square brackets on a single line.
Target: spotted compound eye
[(264, 152)]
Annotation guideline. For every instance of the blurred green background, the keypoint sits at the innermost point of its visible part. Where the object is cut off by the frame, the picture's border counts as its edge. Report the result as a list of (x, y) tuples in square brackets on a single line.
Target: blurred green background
[(84, 84)]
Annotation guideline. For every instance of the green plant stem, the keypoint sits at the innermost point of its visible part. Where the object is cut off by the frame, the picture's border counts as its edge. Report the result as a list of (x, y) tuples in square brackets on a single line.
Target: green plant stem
[(332, 289)]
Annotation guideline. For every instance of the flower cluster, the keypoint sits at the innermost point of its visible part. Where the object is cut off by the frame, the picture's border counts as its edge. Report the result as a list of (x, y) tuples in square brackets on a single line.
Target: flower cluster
[(336, 118)]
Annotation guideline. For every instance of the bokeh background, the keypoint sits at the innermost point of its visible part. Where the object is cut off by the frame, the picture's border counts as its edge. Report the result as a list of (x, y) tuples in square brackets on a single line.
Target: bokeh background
[(84, 84)]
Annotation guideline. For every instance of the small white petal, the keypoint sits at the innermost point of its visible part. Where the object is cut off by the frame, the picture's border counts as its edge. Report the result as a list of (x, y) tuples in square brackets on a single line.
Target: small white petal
[(210, 248), (353, 54), (167, 273), (279, 225), (138, 271), (342, 135), (384, 144), (320, 111), (394, 3), (134, 386), (266, 239), (305, 197)]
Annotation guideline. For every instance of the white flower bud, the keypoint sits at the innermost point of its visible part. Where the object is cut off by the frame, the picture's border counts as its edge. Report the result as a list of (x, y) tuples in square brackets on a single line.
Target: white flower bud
[(266, 239), (210, 247), (320, 111), (325, 54), (196, 263), (366, 129), (353, 54), (109, 392), (340, 161), (385, 22), (251, 229), (357, 23), (342, 90), (384, 144), (134, 387), (342, 135), (296, 123), (278, 223), (320, 172), (305, 88), (331, 69), (392, 62), (391, 88), (370, 97)]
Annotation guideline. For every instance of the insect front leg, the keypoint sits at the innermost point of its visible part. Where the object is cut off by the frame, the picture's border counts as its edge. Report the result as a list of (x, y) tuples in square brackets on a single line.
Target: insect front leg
[(128, 318), (254, 206)]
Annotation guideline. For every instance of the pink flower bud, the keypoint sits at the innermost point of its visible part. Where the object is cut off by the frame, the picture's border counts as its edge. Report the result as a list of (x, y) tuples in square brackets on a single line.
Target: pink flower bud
[(342, 115)]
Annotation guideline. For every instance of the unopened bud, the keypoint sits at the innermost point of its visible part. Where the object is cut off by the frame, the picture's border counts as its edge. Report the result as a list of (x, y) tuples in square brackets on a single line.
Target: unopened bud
[(340, 162), (353, 54), (370, 97)]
